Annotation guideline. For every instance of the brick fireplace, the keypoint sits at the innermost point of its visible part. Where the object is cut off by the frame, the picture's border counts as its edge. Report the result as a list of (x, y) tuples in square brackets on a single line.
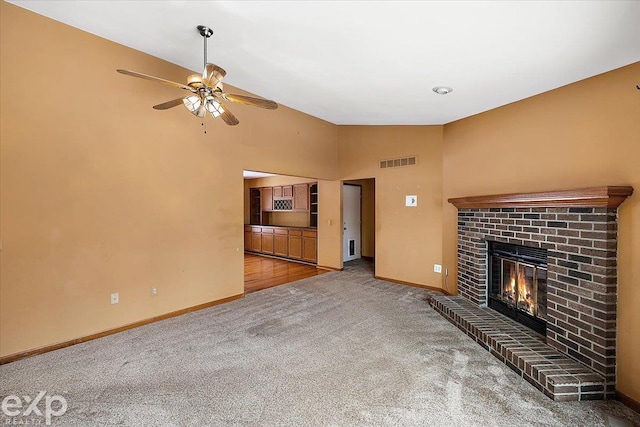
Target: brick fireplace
[(578, 230)]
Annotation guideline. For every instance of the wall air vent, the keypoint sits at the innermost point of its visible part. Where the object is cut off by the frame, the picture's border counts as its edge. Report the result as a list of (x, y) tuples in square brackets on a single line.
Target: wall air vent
[(394, 163)]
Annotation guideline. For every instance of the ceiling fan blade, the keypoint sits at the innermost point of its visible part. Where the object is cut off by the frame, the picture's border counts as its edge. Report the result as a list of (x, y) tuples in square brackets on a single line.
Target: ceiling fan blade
[(249, 100), (212, 74), (228, 117), (169, 104), (155, 79)]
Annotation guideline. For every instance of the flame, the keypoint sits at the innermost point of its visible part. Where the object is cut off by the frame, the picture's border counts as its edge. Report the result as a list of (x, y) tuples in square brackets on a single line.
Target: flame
[(519, 290)]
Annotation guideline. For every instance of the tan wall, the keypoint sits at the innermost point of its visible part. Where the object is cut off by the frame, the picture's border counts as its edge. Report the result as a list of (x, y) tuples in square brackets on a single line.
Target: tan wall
[(368, 215), (581, 135), (102, 194), (408, 240), (330, 224)]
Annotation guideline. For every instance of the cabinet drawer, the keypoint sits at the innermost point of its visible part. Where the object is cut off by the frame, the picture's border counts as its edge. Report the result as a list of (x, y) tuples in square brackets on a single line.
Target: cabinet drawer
[(281, 231), (309, 233), (295, 232), (267, 230), (256, 229)]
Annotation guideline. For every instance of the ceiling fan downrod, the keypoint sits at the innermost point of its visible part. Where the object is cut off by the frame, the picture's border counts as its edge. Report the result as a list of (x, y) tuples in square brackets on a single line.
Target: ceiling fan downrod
[(205, 32)]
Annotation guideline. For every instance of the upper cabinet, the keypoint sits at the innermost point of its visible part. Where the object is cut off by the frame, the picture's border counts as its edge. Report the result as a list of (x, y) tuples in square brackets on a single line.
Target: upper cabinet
[(266, 196), (283, 192), (284, 198), (301, 197)]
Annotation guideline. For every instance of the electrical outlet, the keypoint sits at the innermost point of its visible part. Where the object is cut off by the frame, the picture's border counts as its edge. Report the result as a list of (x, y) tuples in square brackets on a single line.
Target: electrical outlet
[(115, 298), (437, 268), (154, 292)]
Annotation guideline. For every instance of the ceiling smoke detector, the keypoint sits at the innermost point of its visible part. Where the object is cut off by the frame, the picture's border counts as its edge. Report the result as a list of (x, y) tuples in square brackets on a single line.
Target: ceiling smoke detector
[(442, 90)]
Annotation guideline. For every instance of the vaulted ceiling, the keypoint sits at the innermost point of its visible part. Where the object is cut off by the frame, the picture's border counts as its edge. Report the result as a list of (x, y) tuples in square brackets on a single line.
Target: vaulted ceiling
[(375, 62)]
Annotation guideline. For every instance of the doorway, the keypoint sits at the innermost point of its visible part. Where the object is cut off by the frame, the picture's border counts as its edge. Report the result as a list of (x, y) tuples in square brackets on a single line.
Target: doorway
[(352, 222)]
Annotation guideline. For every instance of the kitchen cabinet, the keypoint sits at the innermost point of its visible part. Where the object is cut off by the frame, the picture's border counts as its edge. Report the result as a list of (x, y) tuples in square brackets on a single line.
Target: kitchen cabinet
[(301, 197), (286, 242), (267, 240), (266, 198), (295, 244), (283, 192), (309, 246), (256, 239), (247, 238), (283, 198), (281, 242)]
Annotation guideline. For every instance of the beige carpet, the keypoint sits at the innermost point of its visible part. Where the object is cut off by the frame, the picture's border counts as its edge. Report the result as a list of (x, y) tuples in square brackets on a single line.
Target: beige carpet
[(340, 349)]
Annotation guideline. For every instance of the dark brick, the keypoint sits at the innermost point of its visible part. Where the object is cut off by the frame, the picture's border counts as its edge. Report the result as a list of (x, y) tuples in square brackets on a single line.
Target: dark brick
[(581, 242), (568, 233), (594, 218), (569, 280), (580, 258), (581, 210), (580, 275), (556, 224), (598, 235), (567, 264)]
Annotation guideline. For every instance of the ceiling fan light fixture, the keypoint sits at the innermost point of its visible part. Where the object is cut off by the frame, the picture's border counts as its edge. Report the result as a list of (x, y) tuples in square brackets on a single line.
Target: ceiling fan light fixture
[(213, 107), (206, 90), (194, 105), (442, 90)]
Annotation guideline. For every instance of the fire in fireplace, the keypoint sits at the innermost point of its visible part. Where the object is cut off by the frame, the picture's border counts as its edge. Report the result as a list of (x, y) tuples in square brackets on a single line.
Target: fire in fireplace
[(518, 283)]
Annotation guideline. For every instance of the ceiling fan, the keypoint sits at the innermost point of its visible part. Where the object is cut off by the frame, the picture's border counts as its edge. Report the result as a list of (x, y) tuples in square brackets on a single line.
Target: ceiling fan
[(207, 94)]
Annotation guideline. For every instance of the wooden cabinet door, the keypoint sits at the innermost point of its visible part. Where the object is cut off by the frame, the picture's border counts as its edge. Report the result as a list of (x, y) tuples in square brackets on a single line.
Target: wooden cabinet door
[(256, 240), (267, 243), (309, 247), (281, 243), (266, 198), (247, 240), (287, 191), (295, 246), (277, 192), (301, 197)]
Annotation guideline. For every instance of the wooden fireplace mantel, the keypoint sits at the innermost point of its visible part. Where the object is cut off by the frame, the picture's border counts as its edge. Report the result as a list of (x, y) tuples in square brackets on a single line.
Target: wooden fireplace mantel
[(608, 196)]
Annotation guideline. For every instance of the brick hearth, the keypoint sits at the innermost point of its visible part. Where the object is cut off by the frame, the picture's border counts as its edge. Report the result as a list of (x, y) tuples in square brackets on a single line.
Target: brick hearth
[(558, 376), (579, 230)]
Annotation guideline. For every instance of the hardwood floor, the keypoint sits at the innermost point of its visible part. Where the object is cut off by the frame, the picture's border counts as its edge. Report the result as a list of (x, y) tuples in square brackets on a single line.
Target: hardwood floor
[(263, 272)]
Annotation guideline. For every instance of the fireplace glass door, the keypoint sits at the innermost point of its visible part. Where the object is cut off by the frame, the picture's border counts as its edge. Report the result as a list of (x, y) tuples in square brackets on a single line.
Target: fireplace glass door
[(518, 283)]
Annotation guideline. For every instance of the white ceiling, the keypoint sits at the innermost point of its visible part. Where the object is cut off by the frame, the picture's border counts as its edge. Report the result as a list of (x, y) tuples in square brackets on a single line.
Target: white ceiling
[(376, 62), (253, 174)]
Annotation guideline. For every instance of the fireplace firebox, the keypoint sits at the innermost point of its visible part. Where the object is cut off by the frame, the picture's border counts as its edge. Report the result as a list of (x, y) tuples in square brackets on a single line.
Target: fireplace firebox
[(518, 283)]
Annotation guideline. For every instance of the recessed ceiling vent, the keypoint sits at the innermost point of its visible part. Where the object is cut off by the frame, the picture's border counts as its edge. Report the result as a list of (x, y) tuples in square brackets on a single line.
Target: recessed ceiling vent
[(394, 163)]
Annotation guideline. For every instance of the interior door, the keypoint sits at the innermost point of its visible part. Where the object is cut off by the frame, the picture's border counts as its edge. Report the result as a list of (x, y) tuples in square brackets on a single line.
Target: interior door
[(351, 234)]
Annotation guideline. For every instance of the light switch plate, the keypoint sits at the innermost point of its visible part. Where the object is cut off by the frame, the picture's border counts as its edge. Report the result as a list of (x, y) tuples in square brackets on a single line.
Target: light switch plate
[(411, 201), (437, 268)]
